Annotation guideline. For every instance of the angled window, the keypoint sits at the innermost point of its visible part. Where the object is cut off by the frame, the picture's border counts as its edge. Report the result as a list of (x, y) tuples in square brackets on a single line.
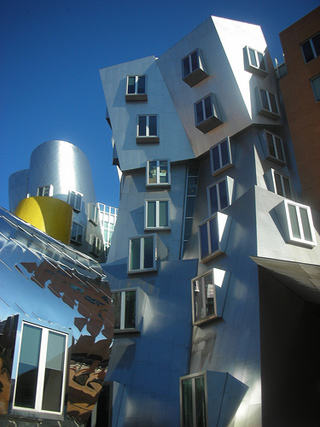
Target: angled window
[(46, 191), (136, 88), (41, 371), (157, 214), (315, 83), (147, 129), (255, 61), (300, 224), (275, 148), (75, 200), (281, 184), (207, 116), (193, 70), (211, 233), (96, 245), (76, 233), (311, 48), (142, 254), (158, 173), (268, 104), (204, 298), (193, 401), (124, 304), (93, 214), (220, 195), (220, 156)]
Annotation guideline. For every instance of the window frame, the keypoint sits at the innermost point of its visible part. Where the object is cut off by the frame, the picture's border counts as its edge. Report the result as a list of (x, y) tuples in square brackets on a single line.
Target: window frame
[(147, 138), (313, 49), (275, 158), (221, 221), (298, 207), (316, 95), (283, 187), (158, 174), (77, 204), (208, 122), (123, 307), (199, 287), (44, 189), (229, 190), (157, 214), (40, 382), (249, 66), (136, 96), (95, 245), (194, 405), (142, 268), (224, 166), (77, 226), (268, 112), (196, 75), (93, 214)]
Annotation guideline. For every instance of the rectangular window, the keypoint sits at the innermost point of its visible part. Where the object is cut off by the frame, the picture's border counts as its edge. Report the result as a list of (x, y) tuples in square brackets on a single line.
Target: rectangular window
[(96, 245), (142, 252), (75, 200), (207, 116), (210, 236), (41, 373), (219, 195), (157, 214), (76, 233), (275, 147), (158, 172), (193, 70), (220, 156), (204, 298), (315, 83), (136, 88), (46, 191), (300, 224), (255, 61), (147, 129), (94, 214), (269, 105), (282, 184), (124, 304), (311, 48), (193, 401)]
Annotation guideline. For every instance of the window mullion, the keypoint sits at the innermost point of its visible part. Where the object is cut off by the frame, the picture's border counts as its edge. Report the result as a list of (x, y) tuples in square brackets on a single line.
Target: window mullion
[(158, 172), (209, 237), (300, 222), (157, 213), (122, 310), (42, 368), (141, 253)]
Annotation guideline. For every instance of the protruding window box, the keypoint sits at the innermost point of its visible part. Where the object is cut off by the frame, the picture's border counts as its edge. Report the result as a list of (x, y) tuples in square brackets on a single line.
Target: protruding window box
[(254, 61), (128, 310), (213, 235), (193, 70), (207, 116), (268, 104), (136, 89)]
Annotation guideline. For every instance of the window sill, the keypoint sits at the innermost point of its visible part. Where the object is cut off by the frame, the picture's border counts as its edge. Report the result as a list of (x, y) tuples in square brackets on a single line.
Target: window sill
[(208, 319), (157, 229), (211, 256), (256, 70), (136, 97), (126, 331), (76, 242), (161, 185), (143, 270), (276, 160), (216, 172), (269, 114), (304, 243), (209, 124), (146, 139)]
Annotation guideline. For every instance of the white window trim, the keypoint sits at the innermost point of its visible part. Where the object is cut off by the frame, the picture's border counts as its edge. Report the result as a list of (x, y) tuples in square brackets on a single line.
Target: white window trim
[(157, 227), (253, 68), (95, 245), (277, 158), (268, 111), (223, 167), (147, 125), (222, 220), (76, 193), (229, 190), (136, 77), (50, 186), (158, 183), (154, 255), (79, 242), (282, 177), (123, 310), (302, 240), (93, 216)]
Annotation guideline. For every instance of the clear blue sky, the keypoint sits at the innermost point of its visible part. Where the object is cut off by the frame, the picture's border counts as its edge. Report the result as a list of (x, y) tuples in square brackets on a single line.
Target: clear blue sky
[(51, 53)]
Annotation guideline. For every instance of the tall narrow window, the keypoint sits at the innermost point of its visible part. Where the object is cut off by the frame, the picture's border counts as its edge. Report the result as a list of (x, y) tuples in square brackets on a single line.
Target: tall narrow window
[(147, 129), (76, 233), (204, 298), (300, 224), (142, 252), (275, 148), (136, 88), (124, 310), (157, 214), (311, 48), (207, 116), (96, 245), (269, 105), (75, 200), (41, 370), (93, 214), (211, 233), (282, 184), (158, 172), (193, 401), (220, 156), (193, 70)]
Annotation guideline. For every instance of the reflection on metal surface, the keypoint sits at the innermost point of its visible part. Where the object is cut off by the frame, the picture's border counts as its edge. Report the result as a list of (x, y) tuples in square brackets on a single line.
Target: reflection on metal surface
[(46, 283)]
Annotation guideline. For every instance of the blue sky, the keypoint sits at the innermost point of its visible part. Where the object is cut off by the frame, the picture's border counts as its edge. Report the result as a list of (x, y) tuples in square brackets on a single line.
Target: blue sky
[(51, 52)]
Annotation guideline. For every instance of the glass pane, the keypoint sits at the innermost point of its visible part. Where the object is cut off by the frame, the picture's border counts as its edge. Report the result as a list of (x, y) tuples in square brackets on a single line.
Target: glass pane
[(190, 206), (253, 60), (131, 84), (151, 214), (163, 214), (223, 194), (213, 199), (78, 202), (52, 389), (130, 313), (141, 84), (305, 224), (273, 103), (194, 61), (186, 67), (224, 146), (264, 99), (72, 199), (307, 51), (164, 171), (277, 179), (198, 301), (214, 236), (187, 409), (200, 402), (152, 172), (27, 377), (271, 147), (142, 131), (204, 240), (153, 125), (279, 148), (294, 222), (135, 254), (192, 186), (262, 64), (316, 88), (148, 252), (117, 309), (215, 158), (316, 44), (208, 107), (287, 188), (45, 191), (199, 112)]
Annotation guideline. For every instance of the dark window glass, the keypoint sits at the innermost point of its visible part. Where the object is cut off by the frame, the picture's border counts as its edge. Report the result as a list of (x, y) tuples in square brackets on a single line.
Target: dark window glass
[(223, 194), (214, 239), (148, 252), (264, 100), (163, 214), (225, 153), (186, 67), (204, 240), (316, 43), (164, 172), (287, 188), (151, 214), (277, 178), (216, 159), (152, 125), (262, 64), (194, 61), (208, 107), (192, 185), (141, 84), (273, 103), (271, 147), (131, 84), (279, 148), (294, 222), (130, 312), (135, 254), (200, 402), (153, 172), (199, 112), (253, 59), (213, 199), (187, 407), (305, 224), (142, 125)]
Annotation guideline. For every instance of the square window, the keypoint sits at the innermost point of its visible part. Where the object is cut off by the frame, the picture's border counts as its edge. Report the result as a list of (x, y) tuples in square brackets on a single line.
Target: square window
[(142, 254), (157, 214), (219, 195), (211, 233), (136, 88), (207, 116), (124, 310), (268, 104), (220, 156), (41, 370), (193, 70), (315, 83), (300, 224), (281, 184), (75, 200), (255, 61), (311, 48), (275, 148), (193, 400), (204, 298), (158, 173), (147, 129), (46, 191), (76, 233)]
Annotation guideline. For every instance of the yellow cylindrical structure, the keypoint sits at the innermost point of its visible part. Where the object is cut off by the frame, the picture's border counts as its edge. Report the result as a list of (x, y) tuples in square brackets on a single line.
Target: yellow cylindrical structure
[(48, 214)]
